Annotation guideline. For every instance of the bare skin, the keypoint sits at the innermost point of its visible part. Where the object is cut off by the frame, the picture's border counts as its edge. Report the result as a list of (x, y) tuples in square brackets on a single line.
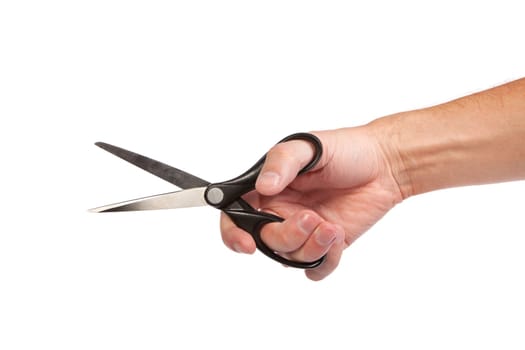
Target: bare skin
[(365, 171)]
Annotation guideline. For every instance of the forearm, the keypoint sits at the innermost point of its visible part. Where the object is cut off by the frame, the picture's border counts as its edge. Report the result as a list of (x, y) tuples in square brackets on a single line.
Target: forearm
[(476, 139)]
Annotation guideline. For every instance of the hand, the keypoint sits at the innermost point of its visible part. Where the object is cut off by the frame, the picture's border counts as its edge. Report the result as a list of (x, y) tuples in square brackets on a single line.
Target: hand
[(326, 209)]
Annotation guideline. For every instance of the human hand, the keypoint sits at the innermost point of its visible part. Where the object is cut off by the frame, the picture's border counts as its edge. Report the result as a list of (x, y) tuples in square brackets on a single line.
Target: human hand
[(365, 171), (327, 208)]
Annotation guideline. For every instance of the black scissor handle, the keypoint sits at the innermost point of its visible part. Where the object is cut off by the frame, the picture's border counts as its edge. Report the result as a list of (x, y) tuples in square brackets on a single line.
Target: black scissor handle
[(227, 197), (253, 222), (221, 195), (314, 141)]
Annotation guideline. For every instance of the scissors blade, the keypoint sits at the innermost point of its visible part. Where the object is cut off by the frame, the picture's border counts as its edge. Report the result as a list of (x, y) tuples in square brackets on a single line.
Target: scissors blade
[(193, 197), (166, 172)]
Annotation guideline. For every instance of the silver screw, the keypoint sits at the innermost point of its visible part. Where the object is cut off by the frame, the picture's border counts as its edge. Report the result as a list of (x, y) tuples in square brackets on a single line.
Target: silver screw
[(215, 195)]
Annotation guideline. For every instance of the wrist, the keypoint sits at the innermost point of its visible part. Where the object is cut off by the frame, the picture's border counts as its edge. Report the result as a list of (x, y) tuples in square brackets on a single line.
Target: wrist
[(475, 140), (433, 148), (387, 131)]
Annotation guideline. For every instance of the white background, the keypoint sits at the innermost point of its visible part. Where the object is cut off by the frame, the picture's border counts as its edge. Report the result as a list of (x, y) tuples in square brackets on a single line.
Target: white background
[(209, 86)]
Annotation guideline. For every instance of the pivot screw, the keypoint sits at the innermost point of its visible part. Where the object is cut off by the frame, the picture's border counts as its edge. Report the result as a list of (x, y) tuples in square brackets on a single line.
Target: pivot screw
[(215, 195)]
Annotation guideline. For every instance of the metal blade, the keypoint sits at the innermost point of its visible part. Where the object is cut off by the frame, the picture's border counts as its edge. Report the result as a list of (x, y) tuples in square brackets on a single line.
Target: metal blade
[(193, 197), (166, 172)]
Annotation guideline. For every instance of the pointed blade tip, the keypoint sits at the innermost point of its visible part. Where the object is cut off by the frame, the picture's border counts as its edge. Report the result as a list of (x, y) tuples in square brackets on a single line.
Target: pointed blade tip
[(95, 210)]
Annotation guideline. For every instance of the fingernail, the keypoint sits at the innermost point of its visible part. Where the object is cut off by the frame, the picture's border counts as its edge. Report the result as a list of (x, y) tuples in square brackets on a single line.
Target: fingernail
[(237, 247), (269, 179), (325, 238), (307, 224)]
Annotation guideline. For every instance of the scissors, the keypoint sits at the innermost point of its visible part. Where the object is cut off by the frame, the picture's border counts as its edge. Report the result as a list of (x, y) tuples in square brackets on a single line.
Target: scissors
[(225, 196)]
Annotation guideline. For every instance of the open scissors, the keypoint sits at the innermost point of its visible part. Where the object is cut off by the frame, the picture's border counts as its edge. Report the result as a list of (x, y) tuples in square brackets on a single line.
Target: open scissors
[(225, 196)]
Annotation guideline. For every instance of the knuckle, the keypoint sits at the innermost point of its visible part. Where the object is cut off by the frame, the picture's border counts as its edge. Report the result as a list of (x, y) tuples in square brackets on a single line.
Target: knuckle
[(284, 239)]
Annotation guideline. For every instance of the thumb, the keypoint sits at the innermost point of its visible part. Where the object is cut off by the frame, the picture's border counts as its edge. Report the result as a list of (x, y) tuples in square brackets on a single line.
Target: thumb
[(283, 163)]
